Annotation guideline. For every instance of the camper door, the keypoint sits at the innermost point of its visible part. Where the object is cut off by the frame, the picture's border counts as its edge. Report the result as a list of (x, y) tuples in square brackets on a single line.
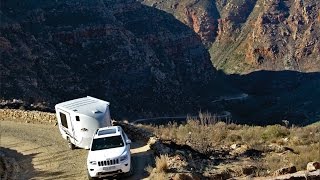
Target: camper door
[(66, 125)]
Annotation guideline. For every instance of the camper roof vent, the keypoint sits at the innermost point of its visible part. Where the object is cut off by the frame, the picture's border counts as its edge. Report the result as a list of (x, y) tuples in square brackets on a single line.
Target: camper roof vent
[(96, 111)]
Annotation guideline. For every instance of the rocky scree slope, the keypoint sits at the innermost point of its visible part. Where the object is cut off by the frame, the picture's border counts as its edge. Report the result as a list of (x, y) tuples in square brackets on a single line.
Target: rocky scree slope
[(141, 59), (249, 35)]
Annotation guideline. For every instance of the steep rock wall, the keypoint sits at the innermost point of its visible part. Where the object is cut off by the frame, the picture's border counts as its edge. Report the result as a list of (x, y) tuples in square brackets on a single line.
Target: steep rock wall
[(142, 60)]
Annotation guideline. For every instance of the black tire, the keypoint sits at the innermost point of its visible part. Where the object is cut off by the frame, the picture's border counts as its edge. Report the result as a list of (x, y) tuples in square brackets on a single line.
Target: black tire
[(130, 173), (70, 145)]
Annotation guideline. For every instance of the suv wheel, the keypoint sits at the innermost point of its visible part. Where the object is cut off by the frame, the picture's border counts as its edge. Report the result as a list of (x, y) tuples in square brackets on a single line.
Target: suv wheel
[(130, 173)]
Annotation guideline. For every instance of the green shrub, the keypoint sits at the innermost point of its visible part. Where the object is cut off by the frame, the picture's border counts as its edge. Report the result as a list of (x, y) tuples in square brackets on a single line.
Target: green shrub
[(274, 132)]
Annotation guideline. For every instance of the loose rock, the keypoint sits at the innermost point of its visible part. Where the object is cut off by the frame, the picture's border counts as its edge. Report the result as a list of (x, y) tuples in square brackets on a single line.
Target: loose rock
[(312, 166)]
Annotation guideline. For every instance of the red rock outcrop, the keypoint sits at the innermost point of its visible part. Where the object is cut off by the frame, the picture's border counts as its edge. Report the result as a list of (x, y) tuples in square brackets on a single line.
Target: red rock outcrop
[(200, 15)]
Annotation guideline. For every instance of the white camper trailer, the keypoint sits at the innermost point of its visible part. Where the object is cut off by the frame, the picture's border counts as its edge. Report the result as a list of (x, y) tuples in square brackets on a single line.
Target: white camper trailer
[(79, 119)]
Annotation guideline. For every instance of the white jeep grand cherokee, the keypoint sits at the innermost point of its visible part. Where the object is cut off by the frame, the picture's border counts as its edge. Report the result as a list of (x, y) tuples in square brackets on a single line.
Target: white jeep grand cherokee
[(109, 153)]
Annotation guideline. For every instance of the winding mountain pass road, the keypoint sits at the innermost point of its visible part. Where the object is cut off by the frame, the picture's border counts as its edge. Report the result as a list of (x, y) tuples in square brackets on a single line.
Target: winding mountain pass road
[(222, 116), (242, 96)]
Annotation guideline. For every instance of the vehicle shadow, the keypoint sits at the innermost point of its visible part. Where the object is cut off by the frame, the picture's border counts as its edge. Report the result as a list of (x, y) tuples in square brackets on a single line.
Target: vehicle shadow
[(16, 165)]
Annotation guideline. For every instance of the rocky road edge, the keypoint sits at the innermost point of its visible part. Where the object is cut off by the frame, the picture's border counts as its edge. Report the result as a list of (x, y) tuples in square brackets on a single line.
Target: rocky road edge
[(185, 161)]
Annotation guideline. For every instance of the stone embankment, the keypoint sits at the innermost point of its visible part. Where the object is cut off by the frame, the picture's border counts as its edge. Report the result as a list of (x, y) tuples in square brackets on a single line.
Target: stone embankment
[(27, 116)]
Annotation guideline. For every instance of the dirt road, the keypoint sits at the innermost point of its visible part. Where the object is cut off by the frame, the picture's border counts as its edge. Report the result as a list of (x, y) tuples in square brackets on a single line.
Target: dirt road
[(39, 152)]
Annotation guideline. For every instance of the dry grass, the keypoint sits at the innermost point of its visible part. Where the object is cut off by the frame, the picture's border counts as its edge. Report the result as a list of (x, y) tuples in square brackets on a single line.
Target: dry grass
[(162, 163), (305, 155), (159, 176), (160, 171), (205, 133), (274, 162)]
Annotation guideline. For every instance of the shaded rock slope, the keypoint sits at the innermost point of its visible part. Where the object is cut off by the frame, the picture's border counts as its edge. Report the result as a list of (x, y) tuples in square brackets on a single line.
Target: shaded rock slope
[(271, 48), (142, 60), (154, 58)]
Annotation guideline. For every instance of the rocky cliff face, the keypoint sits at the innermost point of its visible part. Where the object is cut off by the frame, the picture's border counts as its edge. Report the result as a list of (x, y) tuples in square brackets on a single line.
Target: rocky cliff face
[(257, 38), (141, 59), (200, 15), (249, 35)]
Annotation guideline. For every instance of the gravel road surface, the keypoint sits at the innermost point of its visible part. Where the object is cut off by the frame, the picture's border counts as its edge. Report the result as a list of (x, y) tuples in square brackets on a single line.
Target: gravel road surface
[(38, 151)]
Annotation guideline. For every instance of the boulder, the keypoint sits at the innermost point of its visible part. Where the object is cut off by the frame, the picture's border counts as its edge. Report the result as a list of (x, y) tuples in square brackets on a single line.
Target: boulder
[(235, 146), (314, 175), (238, 149), (160, 148), (312, 166)]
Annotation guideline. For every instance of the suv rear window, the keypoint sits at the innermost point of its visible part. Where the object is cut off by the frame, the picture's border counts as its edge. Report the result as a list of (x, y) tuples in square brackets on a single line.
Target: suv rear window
[(107, 143)]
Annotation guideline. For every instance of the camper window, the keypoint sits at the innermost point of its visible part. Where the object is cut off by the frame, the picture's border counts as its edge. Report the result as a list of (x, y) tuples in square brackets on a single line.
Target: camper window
[(77, 118), (63, 119)]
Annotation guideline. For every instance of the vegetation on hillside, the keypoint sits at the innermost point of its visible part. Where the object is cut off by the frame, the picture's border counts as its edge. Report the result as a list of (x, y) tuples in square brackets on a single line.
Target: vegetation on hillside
[(266, 148)]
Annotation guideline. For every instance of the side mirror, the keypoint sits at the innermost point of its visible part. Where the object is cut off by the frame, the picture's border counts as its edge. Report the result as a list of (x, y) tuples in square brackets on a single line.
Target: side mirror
[(128, 141)]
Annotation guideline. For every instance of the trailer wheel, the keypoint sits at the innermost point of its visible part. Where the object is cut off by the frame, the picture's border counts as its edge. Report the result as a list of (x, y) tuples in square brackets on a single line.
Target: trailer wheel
[(71, 146)]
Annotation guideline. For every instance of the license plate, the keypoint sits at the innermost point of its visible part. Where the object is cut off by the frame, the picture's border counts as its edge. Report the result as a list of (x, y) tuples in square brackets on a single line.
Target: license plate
[(108, 168)]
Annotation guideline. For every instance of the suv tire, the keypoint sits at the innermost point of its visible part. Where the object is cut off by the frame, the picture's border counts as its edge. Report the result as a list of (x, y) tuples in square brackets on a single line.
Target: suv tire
[(130, 173)]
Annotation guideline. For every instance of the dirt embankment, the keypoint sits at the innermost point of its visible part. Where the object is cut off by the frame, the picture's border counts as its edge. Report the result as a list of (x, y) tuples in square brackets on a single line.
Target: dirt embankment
[(32, 148)]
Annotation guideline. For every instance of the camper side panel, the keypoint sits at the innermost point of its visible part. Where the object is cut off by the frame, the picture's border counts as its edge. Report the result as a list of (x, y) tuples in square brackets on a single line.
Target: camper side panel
[(85, 129)]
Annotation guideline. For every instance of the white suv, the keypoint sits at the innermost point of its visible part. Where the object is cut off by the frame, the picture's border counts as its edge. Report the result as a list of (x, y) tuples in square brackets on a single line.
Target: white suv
[(109, 153)]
